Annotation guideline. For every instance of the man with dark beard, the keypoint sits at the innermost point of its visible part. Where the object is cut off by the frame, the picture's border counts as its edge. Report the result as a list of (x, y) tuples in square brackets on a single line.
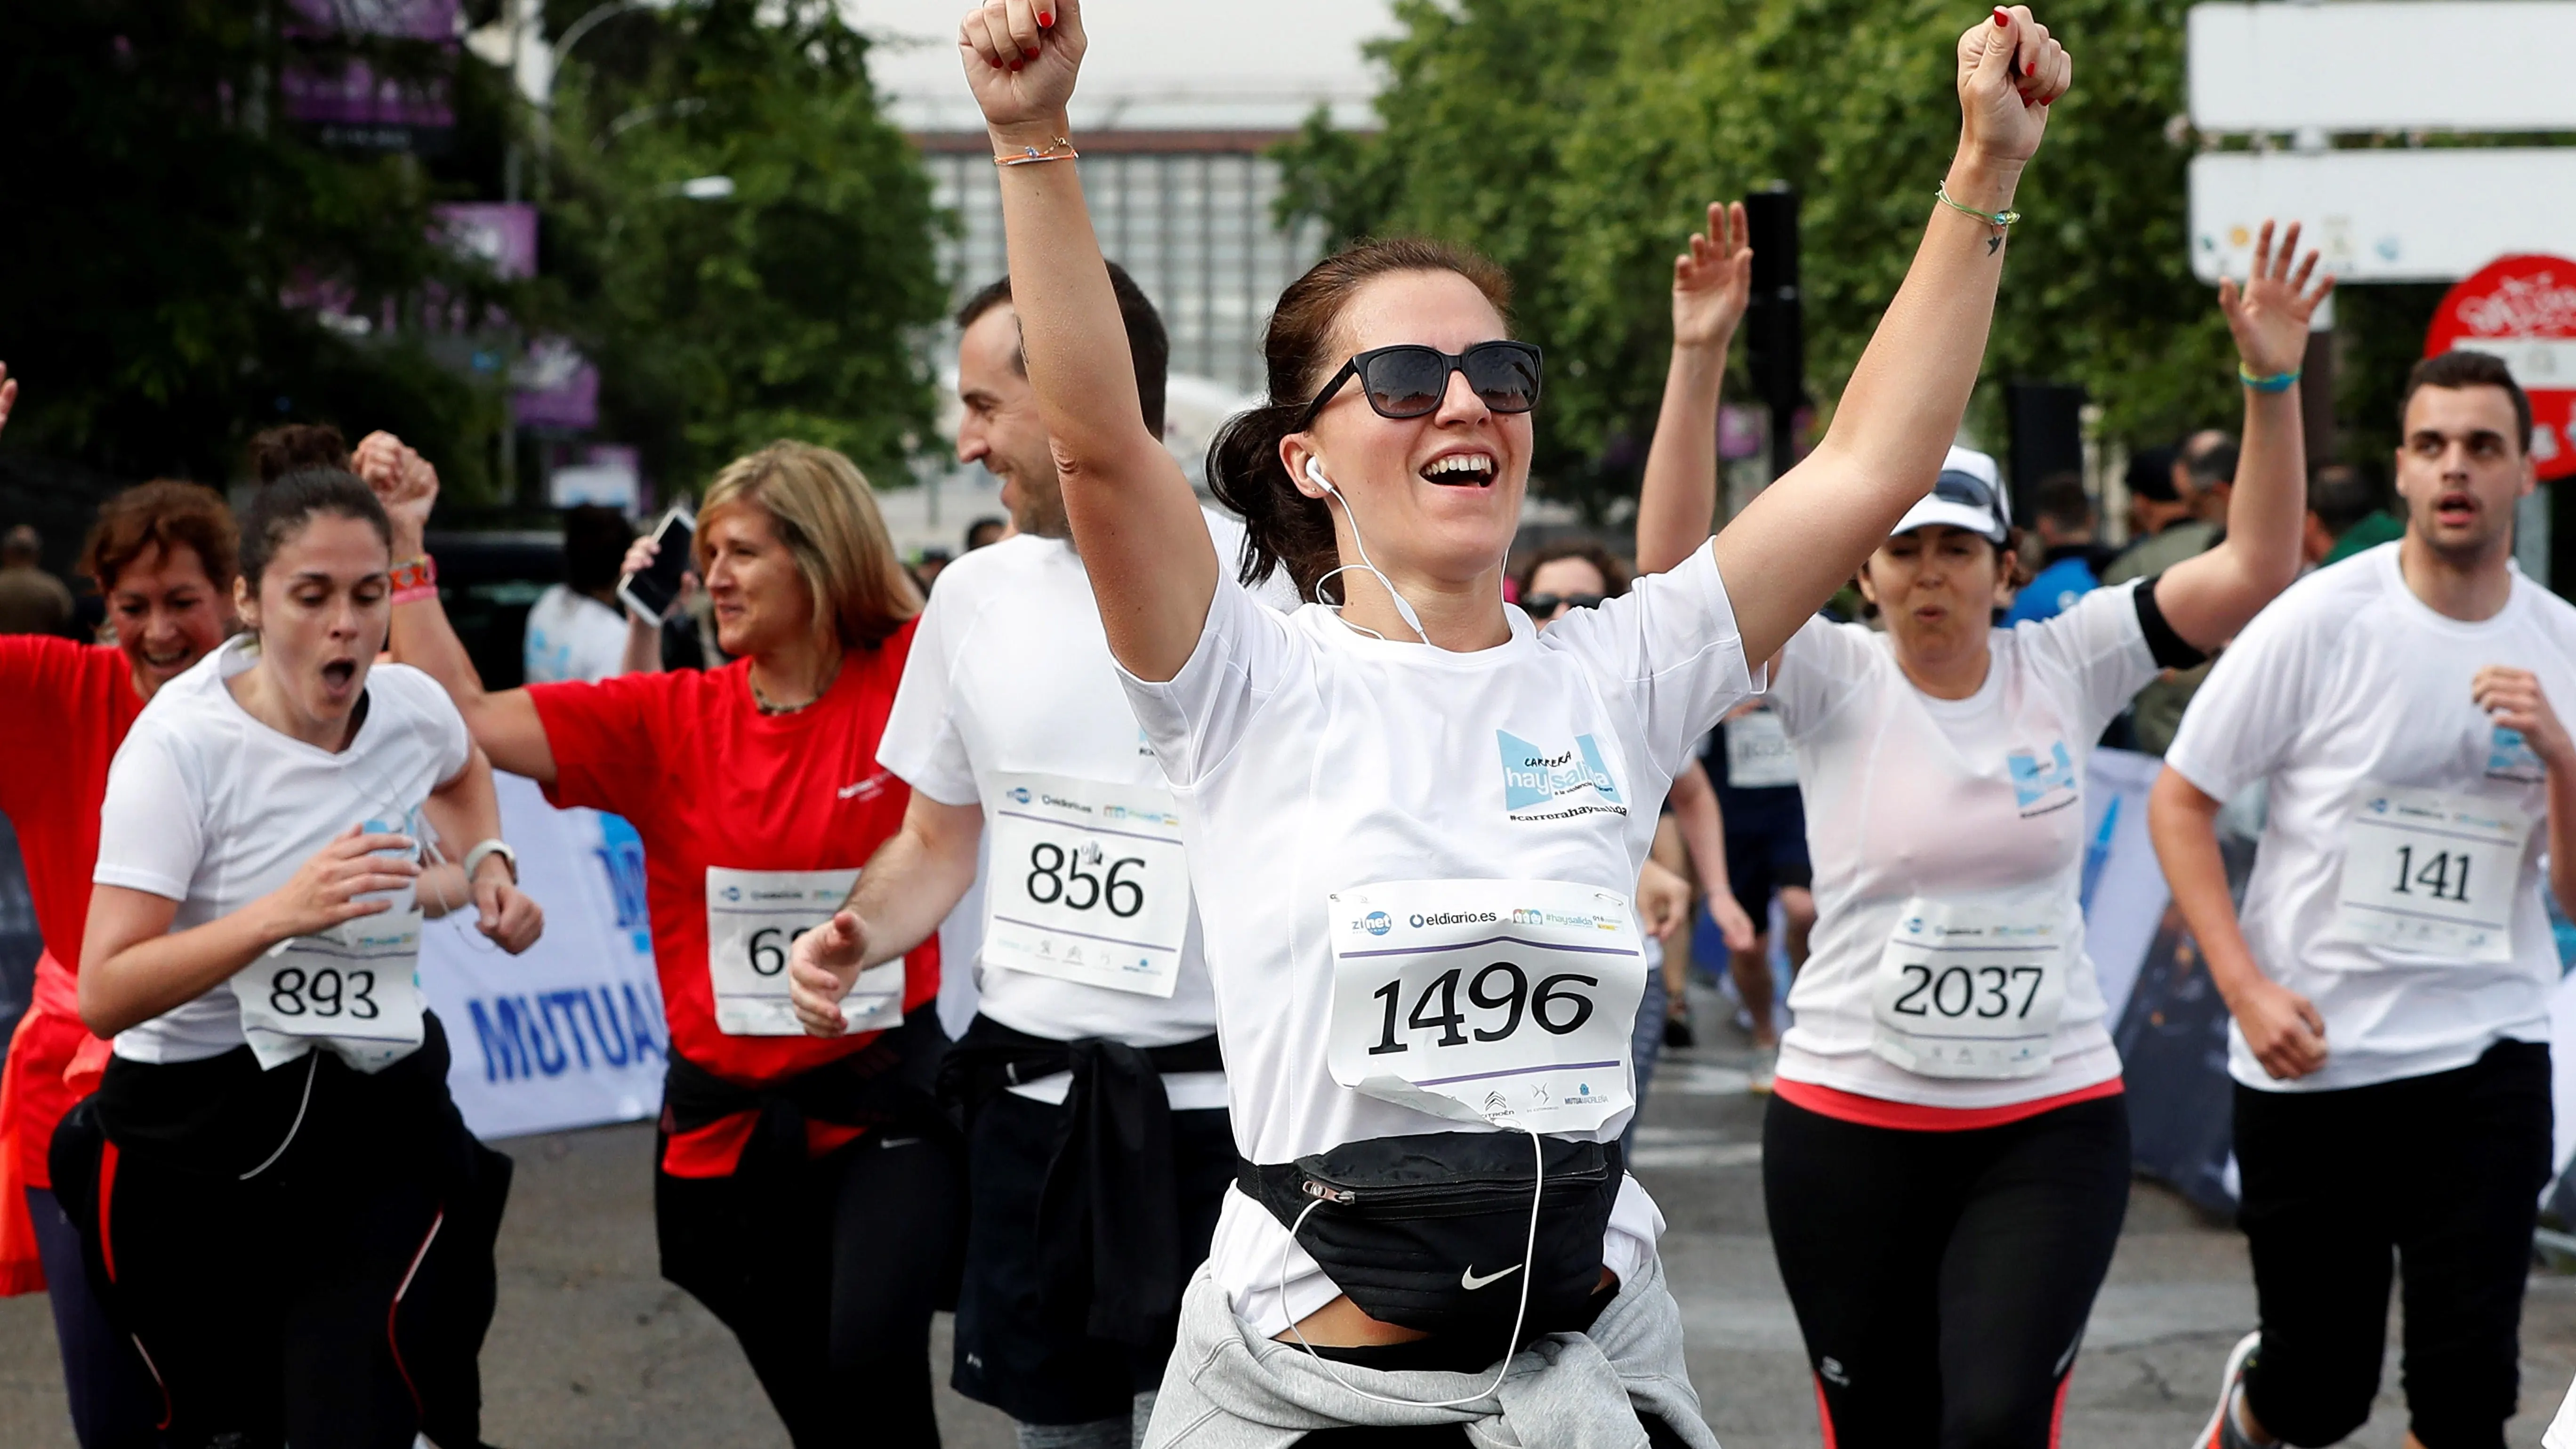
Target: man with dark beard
[(2391, 972)]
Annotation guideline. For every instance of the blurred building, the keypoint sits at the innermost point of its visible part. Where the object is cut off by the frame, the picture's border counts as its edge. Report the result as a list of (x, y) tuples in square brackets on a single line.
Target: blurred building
[(1188, 213), (1173, 117)]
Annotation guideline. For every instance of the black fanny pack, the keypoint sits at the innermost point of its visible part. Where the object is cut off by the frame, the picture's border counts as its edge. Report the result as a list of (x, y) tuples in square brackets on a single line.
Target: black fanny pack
[(1432, 1232)]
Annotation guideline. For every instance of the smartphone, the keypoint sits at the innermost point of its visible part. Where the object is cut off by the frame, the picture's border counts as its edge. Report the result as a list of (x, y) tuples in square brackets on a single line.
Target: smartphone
[(654, 590)]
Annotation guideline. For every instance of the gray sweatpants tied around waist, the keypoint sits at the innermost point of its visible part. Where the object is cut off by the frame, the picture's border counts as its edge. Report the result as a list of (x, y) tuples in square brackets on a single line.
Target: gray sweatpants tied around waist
[(1227, 1389)]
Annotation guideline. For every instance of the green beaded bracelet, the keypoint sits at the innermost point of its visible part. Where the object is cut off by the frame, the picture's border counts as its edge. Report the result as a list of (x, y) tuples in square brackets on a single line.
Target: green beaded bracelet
[(1996, 219)]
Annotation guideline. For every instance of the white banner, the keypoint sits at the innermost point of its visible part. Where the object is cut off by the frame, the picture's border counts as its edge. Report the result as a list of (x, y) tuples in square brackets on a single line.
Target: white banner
[(571, 1033), (2124, 890)]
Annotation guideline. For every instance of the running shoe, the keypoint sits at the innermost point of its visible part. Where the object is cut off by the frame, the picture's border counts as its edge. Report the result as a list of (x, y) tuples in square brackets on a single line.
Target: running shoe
[(2220, 1432), (1757, 1079), (1677, 1031)]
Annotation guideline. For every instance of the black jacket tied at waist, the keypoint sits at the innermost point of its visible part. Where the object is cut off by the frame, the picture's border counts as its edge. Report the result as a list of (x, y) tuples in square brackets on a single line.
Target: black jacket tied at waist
[(1109, 1216), (886, 1083)]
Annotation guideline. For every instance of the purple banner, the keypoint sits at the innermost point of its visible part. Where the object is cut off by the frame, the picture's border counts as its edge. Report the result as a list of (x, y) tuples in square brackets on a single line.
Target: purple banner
[(500, 234), (389, 19), (557, 387)]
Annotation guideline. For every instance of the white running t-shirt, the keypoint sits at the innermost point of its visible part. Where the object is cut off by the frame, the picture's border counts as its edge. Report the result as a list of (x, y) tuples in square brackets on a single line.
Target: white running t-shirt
[(1910, 796), (2346, 687), (1310, 758), (209, 807), (571, 636), (1010, 676)]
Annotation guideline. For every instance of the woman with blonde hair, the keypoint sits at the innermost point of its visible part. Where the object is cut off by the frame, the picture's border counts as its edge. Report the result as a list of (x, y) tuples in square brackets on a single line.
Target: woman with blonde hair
[(805, 1190)]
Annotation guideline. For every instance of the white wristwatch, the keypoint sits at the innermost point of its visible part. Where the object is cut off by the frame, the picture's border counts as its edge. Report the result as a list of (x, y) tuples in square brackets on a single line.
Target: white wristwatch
[(474, 859)]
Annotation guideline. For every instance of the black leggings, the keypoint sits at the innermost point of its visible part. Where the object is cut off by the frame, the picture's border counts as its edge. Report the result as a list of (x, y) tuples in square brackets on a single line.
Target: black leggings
[(1942, 1279), (304, 1255), (844, 1355)]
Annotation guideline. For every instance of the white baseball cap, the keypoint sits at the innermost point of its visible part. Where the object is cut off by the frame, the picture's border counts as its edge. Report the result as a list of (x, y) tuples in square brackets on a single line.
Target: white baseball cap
[(1969, 495)]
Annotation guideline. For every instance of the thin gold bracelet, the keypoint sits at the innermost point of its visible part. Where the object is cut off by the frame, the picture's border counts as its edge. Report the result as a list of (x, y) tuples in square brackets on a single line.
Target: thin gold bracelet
[(1062, 150)]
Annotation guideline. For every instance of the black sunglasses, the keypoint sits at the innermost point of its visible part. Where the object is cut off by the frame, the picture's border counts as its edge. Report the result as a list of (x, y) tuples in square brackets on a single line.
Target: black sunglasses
[(1542, 605), (1409, 379)]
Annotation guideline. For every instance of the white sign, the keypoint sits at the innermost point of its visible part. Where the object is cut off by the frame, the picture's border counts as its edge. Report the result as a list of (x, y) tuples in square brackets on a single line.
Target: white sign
[(2387, 65), (2395, 215), (569, 1034)]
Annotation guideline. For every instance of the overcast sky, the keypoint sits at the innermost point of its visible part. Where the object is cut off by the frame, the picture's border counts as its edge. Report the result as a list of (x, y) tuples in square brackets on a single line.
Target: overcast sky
[(1152, 62)]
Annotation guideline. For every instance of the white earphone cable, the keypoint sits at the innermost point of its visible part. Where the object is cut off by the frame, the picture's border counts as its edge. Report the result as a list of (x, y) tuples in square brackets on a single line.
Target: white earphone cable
[(1520, 1318)]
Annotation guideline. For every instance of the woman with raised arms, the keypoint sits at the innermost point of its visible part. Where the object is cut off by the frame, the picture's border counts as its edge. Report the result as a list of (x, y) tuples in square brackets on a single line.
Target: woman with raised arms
[(1946, 1157), (1413, 822)]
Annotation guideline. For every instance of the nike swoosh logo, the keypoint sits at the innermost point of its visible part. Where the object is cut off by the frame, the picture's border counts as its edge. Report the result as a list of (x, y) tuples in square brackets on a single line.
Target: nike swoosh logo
[(1469, 1281), (868, 786)]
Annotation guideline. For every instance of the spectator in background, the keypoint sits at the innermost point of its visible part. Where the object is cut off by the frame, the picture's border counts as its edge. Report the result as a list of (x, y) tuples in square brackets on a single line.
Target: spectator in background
[(2347, 512), (2164, 511), (2204, 475), (925, 571), (32, 601), (2062, 514), (2153, 502), (985, 531), (2208, 466), (577, 629)]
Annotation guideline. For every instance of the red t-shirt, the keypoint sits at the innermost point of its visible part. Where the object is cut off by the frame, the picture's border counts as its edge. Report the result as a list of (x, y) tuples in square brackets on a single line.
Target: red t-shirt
[(708, 780), (64, 708)]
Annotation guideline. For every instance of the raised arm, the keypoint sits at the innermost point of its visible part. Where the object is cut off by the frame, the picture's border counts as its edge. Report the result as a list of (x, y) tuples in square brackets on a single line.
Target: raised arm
[(1809, 531), (504, 724), (2208, 598), (1711, 284), (1134, 517)]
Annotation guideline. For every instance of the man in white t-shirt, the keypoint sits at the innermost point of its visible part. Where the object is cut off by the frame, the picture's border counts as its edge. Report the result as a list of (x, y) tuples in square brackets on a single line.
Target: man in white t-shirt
[(1099, 1143), (577, 630), (2391, 971)]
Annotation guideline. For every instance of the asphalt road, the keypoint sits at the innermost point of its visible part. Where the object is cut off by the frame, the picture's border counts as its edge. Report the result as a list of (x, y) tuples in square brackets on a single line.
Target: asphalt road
[(591, 1349)]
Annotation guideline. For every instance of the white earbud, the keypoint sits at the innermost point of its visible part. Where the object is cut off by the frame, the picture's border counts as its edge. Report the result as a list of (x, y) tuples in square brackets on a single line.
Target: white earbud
[(1404, 610)]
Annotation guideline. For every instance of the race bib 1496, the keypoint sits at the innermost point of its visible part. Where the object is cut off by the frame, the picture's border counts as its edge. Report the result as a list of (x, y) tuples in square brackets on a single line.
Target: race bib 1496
[(1504, 1001)]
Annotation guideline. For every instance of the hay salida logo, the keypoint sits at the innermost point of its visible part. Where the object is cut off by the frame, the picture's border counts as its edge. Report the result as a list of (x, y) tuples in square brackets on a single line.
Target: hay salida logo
[(2042, 785), (1545, 784), (2510, 757)]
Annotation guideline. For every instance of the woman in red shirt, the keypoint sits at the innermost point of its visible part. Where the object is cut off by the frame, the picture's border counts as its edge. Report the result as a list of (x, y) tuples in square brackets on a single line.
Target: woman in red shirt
[(807, 1191), (163, 555)]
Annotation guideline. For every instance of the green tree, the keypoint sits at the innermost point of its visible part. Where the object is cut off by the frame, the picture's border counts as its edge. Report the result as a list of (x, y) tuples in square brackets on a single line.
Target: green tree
[(1577, 144), (790, 308), (160, 209)]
